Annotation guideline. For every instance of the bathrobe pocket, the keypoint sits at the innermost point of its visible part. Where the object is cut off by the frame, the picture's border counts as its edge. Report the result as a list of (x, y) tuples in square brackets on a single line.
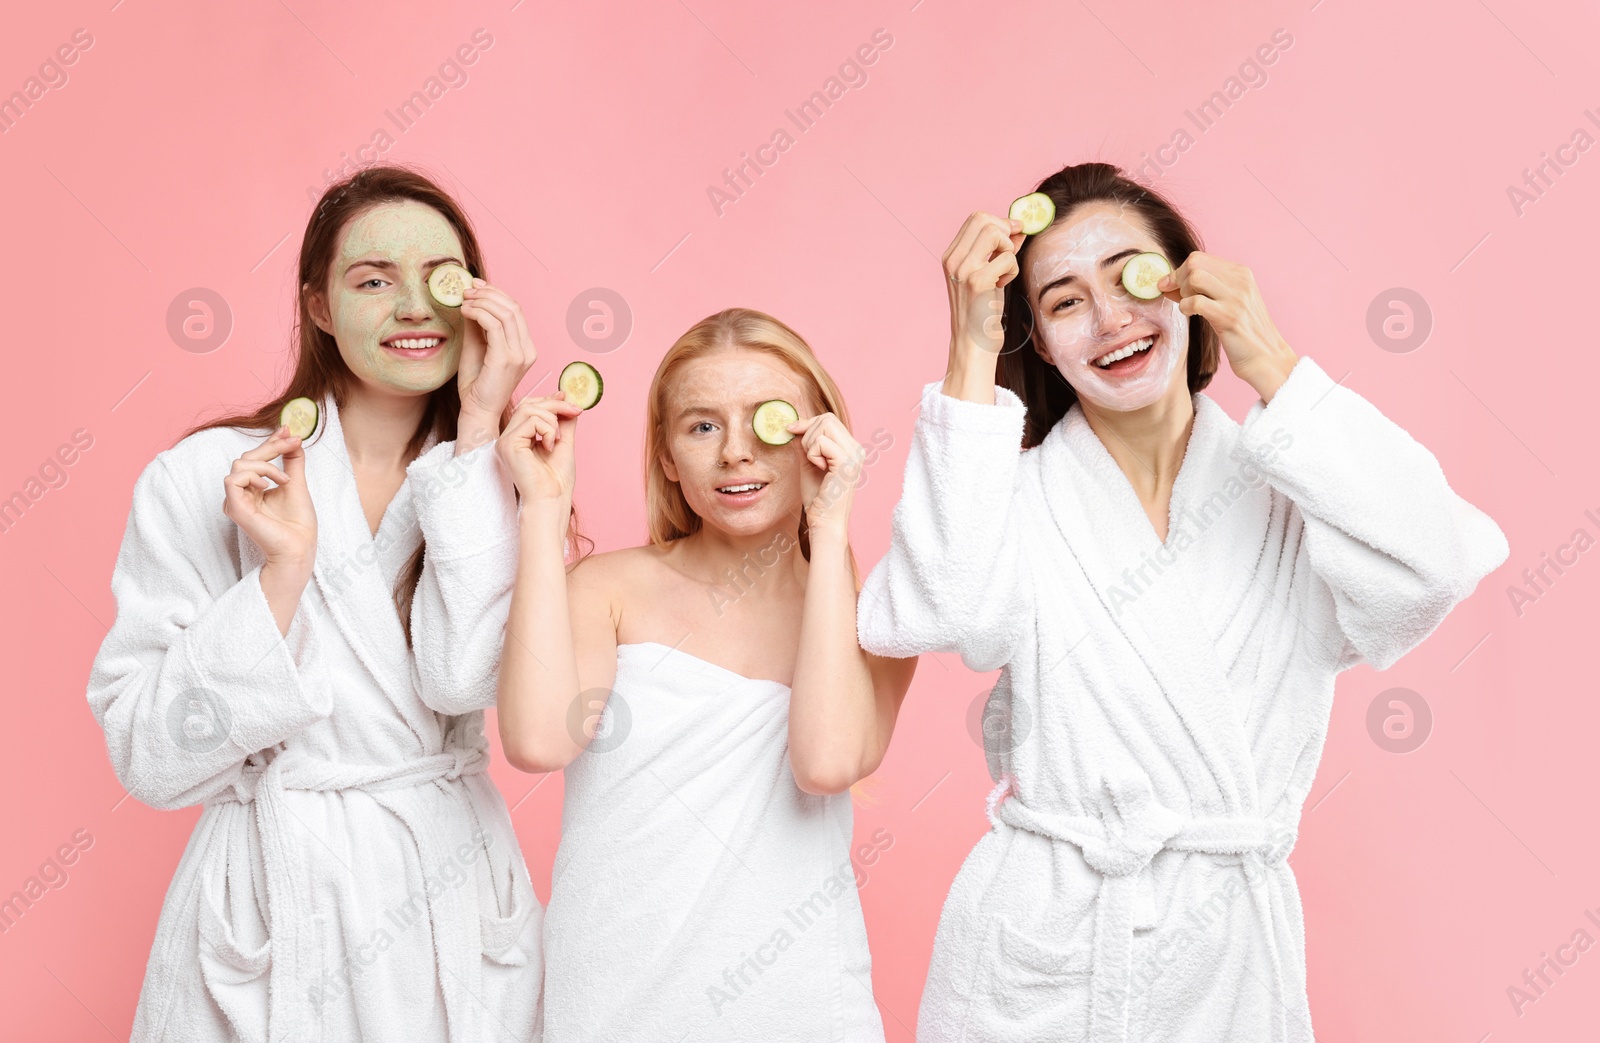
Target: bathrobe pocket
[(235, 950), (509, 915), (1032, 982)]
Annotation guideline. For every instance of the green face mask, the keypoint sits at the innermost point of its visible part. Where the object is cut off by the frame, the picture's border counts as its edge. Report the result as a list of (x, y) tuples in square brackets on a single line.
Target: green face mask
[(391, 332)]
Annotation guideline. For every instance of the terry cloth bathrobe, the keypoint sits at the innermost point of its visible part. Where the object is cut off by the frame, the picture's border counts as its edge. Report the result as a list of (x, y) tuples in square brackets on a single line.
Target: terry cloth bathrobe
[(353, 874), (1162, 706)]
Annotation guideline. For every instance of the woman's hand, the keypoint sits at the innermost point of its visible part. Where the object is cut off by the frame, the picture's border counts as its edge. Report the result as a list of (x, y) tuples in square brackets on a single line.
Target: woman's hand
[(834, 462), (537, 448), (1226, 296), (978, 264), (279, 518), (496, 353)]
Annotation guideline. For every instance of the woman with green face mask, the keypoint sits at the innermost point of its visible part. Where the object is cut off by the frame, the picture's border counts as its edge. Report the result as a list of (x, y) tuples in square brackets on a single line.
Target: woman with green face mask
[(310, 662)]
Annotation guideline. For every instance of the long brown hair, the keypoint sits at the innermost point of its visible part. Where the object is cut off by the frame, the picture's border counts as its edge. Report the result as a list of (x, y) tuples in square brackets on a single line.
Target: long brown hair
[(668, 512), (319, 368), (1042, 388)]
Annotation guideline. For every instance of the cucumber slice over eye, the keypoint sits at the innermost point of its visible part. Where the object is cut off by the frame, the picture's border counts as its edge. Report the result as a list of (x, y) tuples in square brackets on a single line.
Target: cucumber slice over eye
[(772, 419), (582, 384), (448, 283), (301, 416), (1035, 210), (1142, 272)]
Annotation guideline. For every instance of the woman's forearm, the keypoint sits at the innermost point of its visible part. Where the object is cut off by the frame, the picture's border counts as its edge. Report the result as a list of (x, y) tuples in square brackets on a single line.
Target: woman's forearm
[(836, 727), (538, 667), (970, 374)]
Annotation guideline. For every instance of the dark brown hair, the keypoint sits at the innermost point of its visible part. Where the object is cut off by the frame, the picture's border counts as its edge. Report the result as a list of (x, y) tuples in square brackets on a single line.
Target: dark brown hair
[(319, 368), (1042, 388)]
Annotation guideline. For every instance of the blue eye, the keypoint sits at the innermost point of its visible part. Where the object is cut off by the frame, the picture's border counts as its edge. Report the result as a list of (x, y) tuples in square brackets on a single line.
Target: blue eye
[(702, 424), (372, 280)]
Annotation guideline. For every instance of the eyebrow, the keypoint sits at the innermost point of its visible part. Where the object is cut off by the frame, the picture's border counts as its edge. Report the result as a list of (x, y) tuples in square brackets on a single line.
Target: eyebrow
[(1070, 277), (702, 407), (389, 266)]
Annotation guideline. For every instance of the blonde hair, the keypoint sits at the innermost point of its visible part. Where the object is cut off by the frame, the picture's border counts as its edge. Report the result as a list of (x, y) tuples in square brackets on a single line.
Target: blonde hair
[(668, 513)]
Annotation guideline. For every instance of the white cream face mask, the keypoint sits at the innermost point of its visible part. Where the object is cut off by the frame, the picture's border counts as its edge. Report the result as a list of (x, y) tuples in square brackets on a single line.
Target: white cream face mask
[(1090, 315)]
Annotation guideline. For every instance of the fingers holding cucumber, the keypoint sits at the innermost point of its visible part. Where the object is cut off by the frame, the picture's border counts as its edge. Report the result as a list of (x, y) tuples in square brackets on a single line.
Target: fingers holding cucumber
[(537, 446), (978, 265), (273, 504), (497, 351)]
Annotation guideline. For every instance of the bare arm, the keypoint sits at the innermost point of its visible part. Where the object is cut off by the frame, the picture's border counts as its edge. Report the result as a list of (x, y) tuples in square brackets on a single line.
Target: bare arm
[(545, 713), (538, 670), (845, 700)]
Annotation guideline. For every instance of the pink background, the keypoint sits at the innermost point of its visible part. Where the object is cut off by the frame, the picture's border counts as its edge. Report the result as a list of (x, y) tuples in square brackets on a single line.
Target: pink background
[(180, 151)]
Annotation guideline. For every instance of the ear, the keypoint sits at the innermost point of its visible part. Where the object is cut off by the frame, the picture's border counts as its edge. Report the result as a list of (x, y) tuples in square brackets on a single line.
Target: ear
[(317, 304), (668, 467)]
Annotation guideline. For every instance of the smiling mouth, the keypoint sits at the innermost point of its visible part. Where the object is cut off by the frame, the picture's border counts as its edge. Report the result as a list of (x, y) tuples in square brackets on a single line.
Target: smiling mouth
[(742, 487), (1105, 361), (424, 343)]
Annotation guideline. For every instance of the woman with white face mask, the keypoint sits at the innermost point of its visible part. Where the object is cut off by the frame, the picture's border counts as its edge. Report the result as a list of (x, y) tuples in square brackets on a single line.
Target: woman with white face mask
[(1170, 595), (307, 634)]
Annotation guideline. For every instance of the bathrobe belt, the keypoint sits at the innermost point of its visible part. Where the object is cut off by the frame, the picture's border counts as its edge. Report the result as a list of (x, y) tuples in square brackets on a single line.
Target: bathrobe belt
[(287, 845), (1120, 854)]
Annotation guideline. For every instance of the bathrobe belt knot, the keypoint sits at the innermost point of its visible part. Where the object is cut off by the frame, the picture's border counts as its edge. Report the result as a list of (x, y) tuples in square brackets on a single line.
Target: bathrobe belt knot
[(288, 846), (1120, 846)]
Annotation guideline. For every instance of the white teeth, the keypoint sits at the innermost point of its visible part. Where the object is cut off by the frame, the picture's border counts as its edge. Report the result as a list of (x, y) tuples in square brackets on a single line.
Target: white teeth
[(415, 343), (748, 487), (1136, 346)]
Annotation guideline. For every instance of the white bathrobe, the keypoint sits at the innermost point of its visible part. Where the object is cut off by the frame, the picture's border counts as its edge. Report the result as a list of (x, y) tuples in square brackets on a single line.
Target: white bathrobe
[(1162, 706), (354, 873)]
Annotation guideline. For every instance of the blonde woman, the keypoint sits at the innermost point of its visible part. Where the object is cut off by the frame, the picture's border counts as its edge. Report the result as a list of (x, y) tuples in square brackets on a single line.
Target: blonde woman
[(703, 886)]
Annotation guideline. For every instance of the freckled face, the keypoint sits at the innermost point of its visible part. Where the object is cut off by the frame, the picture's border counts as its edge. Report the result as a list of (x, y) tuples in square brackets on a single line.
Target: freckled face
[(1073, 275), (711, 445), (390, 330)]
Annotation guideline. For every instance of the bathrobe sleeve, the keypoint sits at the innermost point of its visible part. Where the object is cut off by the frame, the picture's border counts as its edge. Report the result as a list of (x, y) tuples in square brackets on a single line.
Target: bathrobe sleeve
[(952, 580), (193, 675), (467, 509), (1393, 543)]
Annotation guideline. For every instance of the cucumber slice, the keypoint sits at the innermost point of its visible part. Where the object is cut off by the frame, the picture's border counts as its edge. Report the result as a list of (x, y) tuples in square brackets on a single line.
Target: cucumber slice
[(301, 416), (771, 420), (582, 384), (448, 284), (1142, 272), (1035, 210)]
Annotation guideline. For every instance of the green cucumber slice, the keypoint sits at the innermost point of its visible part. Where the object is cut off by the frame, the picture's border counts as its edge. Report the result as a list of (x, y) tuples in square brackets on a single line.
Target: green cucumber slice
[(301, 416), (772, 419), (582, 384), (1142, 272), (448, 283), (1035, 210)]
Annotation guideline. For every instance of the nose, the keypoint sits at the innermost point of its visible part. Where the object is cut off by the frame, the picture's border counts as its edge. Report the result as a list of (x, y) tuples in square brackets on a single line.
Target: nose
[(739, 445), (1112, 311), (411, 300)]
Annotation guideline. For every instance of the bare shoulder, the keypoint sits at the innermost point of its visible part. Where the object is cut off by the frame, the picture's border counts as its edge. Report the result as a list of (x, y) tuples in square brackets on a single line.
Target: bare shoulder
[(611, 567), (617, 576)]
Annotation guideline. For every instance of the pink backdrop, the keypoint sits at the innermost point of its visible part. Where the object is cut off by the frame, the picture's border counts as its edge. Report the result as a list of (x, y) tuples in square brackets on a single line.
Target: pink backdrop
[(1371, 165)]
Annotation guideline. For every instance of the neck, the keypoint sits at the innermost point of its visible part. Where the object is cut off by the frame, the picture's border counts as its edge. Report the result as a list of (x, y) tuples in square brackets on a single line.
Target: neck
[(1147, 443), (773, 553), (378, 426)]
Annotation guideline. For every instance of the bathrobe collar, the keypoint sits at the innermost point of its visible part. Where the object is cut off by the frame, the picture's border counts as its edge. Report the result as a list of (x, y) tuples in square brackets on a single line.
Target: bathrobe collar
[(1105, 527), (355, 569)]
